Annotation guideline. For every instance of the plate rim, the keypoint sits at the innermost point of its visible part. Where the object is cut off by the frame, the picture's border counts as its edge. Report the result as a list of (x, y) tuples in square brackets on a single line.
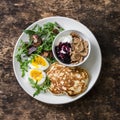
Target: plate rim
[(47, 18)]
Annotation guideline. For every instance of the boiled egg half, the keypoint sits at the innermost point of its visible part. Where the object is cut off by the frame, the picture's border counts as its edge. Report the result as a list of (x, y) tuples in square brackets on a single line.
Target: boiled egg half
[(39, 62), (38, 76)]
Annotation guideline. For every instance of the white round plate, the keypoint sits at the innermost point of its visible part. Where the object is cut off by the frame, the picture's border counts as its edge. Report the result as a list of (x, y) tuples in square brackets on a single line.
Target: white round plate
[(92, 65)]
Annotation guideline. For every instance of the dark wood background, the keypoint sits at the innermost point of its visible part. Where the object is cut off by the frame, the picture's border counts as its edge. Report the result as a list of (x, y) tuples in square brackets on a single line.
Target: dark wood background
[(102, 17)]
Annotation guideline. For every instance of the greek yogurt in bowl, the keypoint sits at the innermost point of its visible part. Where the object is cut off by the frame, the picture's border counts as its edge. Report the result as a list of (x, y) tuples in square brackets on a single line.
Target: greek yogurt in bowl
[(71, 48)]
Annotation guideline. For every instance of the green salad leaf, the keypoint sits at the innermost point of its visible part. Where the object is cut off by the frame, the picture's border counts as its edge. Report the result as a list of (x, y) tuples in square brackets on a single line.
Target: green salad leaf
[(44, 36), (47, 34), (51, 60), (24, 67), (40, 88), (22, 51)]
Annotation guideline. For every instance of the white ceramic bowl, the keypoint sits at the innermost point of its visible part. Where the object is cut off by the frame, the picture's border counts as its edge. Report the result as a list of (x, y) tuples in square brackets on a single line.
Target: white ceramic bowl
[(59, 39)]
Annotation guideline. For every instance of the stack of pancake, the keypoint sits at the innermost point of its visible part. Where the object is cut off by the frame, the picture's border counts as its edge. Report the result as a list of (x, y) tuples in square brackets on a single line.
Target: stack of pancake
[(66, 80)]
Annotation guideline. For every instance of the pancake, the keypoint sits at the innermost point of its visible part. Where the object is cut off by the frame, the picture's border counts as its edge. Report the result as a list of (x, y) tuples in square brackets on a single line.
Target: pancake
[(66, 80)]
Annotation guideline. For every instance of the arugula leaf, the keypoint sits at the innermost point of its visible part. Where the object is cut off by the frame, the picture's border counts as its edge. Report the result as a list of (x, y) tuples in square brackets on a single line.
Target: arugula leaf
[(51, 60), (24, 67), (32, 82), (46, 34), (49, 26), (40, 88), (30, 32), (40, 49), (23, 50), (37, 28)]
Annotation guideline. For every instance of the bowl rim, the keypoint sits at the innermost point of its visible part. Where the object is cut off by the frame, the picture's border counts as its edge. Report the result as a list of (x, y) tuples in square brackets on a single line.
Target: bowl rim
[(61, 35)]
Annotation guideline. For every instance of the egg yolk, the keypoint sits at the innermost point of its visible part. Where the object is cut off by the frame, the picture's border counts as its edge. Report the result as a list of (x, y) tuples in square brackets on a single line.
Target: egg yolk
[(38, 60), (36, 75)]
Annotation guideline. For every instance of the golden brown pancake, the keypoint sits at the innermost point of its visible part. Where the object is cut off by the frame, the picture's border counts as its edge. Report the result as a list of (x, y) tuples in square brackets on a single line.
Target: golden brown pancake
[(66, 80)]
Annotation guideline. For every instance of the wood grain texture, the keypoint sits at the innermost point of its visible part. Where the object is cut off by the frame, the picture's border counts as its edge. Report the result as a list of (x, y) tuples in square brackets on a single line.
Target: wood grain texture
[(102, 17)]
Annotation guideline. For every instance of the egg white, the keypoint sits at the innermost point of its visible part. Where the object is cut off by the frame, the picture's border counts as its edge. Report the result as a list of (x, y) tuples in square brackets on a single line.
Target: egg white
[(41, 80), (40, 67)]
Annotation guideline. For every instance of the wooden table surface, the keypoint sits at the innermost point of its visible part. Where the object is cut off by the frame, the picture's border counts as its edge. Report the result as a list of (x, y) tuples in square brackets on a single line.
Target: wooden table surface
[(102, 17)]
